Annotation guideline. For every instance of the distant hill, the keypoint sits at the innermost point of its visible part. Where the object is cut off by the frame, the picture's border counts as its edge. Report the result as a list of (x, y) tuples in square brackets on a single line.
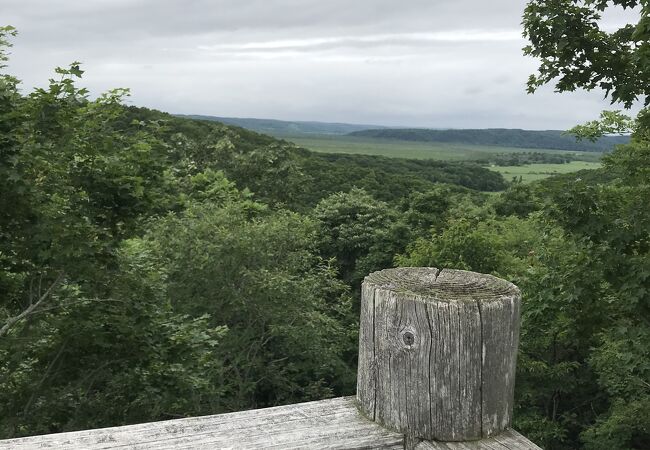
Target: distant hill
[(282, 128), (551, 139), (497, 137)]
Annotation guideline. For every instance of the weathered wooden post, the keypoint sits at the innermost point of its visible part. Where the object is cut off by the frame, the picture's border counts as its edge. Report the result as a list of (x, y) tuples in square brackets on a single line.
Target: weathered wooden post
[(437, 352)]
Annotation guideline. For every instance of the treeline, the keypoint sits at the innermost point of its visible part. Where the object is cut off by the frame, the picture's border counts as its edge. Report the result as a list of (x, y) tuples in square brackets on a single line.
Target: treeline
[(502, 137), (153, 267), (393, 179), (523, 158)]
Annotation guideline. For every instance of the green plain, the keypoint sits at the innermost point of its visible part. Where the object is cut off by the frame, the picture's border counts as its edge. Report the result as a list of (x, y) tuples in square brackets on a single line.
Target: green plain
[(445, 152), (411, 150), (534, 172)]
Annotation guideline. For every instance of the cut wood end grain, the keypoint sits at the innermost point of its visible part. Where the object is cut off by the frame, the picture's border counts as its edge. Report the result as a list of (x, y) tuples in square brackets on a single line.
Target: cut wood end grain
[(432, 284)]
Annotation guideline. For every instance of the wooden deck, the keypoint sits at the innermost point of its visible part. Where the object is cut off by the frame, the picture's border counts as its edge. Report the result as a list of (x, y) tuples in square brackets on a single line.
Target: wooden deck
[(325, 424)]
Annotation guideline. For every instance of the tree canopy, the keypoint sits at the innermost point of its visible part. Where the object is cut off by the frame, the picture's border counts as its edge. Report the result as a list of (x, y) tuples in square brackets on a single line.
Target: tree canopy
[(576, 52)]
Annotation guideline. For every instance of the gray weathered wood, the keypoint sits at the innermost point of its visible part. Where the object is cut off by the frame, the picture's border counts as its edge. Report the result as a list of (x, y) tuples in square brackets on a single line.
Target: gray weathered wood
[(326, 424), (437, 352), (506, 440)]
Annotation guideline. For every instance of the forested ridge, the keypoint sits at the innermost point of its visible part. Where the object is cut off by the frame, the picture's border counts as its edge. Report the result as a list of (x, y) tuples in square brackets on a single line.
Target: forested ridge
[(279, 172), (284, 127), (154, 267), (547, 139)]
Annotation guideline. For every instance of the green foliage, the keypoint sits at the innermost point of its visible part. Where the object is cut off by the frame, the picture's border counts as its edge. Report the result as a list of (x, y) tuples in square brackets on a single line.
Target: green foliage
[(611, 122), (576, 53), (279, 174), (518, 200), (125, 358), (423, 211), (358, 232), (613, 220), (253, 271), (626, 428), (487, 245), (606, 216), (272, 171), (5, 33), (632, 161), (390, 179), (104, 345)]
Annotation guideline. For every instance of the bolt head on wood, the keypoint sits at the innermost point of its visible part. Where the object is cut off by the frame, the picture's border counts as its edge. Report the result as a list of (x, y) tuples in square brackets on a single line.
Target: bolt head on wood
[(437, 352)]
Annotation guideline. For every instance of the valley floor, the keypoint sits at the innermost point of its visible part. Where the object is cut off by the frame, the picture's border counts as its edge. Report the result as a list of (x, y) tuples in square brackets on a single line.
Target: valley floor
[(445, 152), (534, 172)]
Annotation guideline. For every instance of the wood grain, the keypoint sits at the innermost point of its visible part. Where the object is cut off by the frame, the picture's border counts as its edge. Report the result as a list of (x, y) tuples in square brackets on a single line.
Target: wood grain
[(437, 352), (507, 440), (326, 424)]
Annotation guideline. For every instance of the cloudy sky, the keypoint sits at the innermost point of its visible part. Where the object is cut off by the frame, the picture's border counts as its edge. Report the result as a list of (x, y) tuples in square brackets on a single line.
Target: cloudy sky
[(427, 63)]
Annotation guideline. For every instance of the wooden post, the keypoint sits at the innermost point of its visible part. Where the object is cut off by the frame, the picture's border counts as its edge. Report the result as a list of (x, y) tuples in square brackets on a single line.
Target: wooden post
[(437, 352)]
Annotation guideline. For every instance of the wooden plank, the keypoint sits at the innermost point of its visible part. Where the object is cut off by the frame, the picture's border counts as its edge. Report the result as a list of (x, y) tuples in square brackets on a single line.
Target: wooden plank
[(326, 424), (506, 440)]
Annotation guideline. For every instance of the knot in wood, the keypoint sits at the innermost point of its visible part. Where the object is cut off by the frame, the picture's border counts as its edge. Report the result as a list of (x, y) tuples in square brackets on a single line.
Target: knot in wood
[(408, 337)]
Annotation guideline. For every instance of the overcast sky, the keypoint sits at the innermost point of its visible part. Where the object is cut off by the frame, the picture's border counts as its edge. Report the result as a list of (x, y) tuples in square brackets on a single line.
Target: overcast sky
[(426, 63)]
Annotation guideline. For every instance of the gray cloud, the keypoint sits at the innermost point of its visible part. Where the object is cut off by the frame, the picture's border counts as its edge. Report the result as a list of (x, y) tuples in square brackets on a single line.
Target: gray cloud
[(432, 63)]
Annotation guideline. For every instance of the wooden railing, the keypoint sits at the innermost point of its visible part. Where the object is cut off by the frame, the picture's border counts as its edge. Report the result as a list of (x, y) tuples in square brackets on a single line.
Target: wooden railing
[(437, 356)]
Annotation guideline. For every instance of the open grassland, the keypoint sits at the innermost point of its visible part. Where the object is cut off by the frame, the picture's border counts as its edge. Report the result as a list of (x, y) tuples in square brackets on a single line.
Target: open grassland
[(412, 150), (445, 152), (534, 172)]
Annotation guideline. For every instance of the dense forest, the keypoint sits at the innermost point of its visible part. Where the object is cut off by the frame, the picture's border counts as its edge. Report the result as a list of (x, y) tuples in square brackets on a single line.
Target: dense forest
[(502, 137), (154, 267)]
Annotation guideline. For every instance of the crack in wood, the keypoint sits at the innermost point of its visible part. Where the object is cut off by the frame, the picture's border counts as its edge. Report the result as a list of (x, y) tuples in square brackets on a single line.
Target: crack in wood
[(480, 319)]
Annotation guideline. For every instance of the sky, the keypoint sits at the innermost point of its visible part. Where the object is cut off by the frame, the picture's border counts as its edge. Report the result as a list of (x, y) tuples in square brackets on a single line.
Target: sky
[(417, 63)]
